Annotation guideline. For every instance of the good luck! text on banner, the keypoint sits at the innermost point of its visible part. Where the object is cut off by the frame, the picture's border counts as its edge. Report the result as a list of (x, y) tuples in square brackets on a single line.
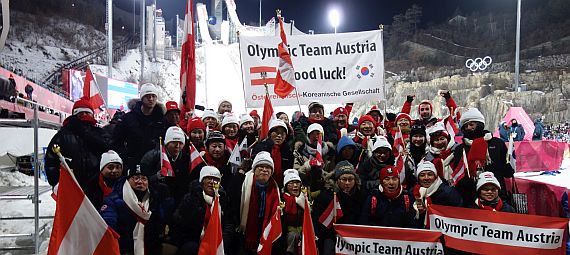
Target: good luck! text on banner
[(488, 232), (353, 239), (330, 68)]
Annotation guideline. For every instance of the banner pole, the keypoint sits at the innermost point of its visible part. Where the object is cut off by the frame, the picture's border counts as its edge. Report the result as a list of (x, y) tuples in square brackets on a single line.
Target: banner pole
[(383, 76), (242, 73)]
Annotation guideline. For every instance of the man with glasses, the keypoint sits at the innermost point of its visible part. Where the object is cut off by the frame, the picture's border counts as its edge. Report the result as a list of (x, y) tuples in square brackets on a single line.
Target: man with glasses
[(137, 213), (276, 144), (350, 196)]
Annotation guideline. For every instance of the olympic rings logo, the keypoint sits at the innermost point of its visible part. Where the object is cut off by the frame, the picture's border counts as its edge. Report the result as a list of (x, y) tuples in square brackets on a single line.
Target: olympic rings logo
[(478, 64)]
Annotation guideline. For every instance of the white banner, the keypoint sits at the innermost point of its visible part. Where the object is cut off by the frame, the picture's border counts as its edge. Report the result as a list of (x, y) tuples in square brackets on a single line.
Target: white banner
[(329, 68)]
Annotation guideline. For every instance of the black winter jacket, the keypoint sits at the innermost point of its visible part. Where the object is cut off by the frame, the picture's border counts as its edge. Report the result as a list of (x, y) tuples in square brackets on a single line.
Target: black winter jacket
[(137, 134), (82, 144), (378, 210)]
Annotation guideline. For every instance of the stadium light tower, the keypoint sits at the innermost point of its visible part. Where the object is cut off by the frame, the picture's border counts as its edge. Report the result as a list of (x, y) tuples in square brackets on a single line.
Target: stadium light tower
[(334, 18), (518, 47)]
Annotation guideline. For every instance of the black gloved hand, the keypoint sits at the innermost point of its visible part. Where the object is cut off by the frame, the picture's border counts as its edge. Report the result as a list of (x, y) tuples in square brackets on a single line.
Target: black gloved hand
[(410, 98), (446, 94)]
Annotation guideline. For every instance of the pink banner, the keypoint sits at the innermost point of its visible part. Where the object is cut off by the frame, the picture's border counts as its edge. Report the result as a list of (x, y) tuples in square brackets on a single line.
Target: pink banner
[(543, 198), (40, 94), (533, 156)]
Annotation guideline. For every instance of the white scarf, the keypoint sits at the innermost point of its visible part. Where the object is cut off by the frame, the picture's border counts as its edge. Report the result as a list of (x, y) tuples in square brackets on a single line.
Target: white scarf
[(245, 198), (425, 193), (141, 210)]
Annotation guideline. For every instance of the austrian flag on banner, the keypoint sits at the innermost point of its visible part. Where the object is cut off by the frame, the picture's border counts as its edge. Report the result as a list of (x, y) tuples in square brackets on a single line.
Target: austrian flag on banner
[(353, 239), (497, 233)]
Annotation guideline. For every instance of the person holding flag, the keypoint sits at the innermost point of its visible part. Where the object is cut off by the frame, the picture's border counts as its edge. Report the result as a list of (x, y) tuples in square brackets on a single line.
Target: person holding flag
[(369, 169), (293, 211), (312, 159), (247, 130), (316, 116), (82, 142), (138, 213), (197, 132), (276, 144), (230, 127), (484, 153), (169, 163), (389, 205), (111, 171), (218, 156), (191, 218), (365, 132), (258, 201), (340, 204)]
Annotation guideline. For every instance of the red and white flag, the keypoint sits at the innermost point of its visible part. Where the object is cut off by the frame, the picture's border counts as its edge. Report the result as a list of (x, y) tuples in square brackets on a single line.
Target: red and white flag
[(308, 244), (270, 234), (212, 243), (398, 147), (165, 166), (319, 151), (195, 158), (285, 80), (267, 117), (91, 90), (451, 127), (188, 57), (332, 213), (400, 168), (460, 169), (77, 226)]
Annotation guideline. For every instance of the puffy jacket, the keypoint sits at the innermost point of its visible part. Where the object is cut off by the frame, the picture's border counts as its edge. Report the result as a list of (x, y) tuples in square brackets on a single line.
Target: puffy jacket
[(137, 134), (345, 142), (82, 144), (446, 195), (378, 210), (301, 126), (538, 130), (503, 133), (519, 130), (118, 216), (369, 172), (188, 219), (506, 207)]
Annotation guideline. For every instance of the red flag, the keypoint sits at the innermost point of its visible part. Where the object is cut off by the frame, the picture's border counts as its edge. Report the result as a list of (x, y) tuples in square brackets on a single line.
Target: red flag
[(188, 56), (165, 166), (308, 244), (400, 168), (451, 127), (91, 90), (332, 213), (267, 117), (285, 80), (270, 234), (319, 152), (77, 226), (213, 243), (195, 158)]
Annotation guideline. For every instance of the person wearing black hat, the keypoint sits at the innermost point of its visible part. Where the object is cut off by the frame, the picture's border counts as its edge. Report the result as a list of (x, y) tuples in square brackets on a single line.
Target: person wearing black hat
[(138, 213), (418, 143), (216, 155), (316, 115)]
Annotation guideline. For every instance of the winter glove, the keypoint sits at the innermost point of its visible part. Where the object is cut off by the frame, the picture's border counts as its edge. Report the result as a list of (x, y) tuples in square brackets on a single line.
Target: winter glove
[(246, 164), (410, 98), (298, 145), (315, 163)]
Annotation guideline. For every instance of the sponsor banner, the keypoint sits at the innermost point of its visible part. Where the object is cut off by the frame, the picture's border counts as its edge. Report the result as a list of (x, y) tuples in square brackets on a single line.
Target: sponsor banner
[(353, 239), (330, 68), (489, 232)]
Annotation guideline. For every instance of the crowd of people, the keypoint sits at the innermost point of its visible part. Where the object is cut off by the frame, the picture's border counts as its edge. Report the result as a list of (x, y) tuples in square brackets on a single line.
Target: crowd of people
[(558, 132), (385, 171)]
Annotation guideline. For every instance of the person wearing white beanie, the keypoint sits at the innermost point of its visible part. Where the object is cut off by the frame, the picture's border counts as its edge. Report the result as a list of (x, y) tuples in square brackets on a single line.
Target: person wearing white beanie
[(224, 106), (276, 145), (111, 170), (488, 194), (246, 123), (471, 114), (380, 156), (431, 190), (210, 171), (148, 89), (263, 161), (174, 141), (291, 175), (210, 118), (230, 128), (294, 201)]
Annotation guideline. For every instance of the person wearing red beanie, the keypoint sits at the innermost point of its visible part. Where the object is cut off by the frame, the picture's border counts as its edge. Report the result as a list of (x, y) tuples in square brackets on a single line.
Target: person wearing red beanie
[(256, 119), (365, 131), (389, 205), (197, 132)]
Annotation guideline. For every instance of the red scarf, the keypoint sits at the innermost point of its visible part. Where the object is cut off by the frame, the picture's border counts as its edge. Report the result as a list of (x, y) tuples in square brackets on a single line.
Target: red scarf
[(290, 211), (106, 189), (252, 233), (393, 195), (219, 163), (277, 168), (477, 156), (497, 207), (207, 215)]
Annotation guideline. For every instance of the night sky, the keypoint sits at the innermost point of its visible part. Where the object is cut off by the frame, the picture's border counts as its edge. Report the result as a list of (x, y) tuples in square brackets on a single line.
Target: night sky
[(357, 15)]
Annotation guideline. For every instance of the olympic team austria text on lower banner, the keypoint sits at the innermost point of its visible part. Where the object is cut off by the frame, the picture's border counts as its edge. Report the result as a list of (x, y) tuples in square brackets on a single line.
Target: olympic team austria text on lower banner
[(353, 239), (489, 232)]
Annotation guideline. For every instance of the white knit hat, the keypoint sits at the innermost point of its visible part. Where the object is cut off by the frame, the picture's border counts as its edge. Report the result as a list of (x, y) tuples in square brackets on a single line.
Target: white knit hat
[(222, 101), (315, 127), (109, 157), (277, 123), (381, 142), (174, 134), (472, 114), (210, 113), (290, 175), (263, 157), (425, 166), (487, 177), (437, 127), (230, 119), (148, 88), (245, 118), (209, 171)]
